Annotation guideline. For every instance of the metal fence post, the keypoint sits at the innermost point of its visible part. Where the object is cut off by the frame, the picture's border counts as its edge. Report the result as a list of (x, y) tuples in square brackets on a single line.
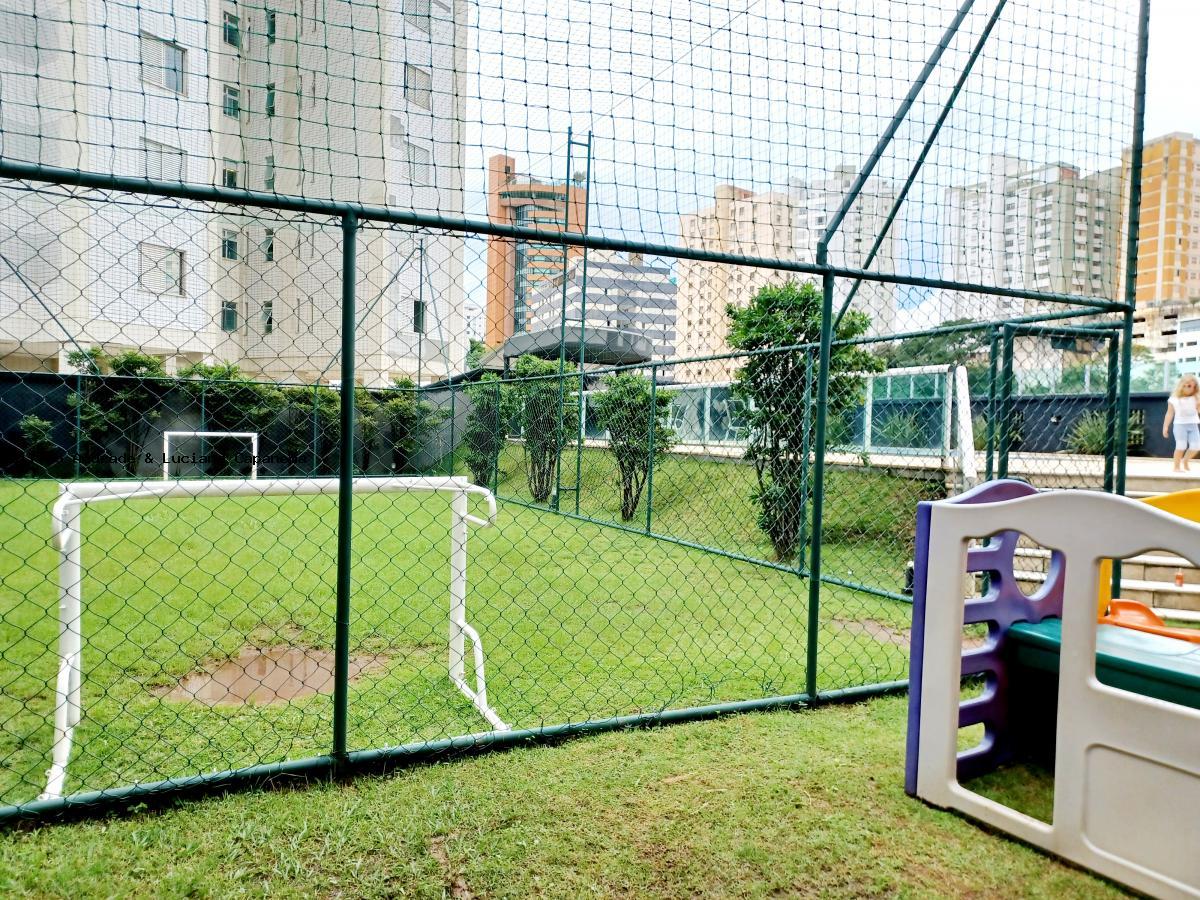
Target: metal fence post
[(650, 446), (316, 436), (869, 414), (1112, 428), (341, 664), (805, 449), (78, 422), (205, 467), (814, 567), (1006, 404), (450, 454)]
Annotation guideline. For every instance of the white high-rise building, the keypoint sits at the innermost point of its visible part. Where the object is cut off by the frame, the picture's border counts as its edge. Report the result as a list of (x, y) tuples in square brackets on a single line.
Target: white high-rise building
[(782, 225), (1036, 228), (616, 290), (344, 101)]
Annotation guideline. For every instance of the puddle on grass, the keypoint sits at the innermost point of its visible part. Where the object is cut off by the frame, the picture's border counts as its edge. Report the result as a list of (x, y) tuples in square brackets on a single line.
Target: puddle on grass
[(268, 675)]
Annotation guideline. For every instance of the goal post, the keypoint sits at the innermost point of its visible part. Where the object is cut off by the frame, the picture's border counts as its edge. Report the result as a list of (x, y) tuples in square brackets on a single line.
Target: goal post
[(67, 534), (252, 436)]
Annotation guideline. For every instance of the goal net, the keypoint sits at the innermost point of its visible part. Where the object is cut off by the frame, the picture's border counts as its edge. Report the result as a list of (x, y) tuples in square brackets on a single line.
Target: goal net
[(68, 540)]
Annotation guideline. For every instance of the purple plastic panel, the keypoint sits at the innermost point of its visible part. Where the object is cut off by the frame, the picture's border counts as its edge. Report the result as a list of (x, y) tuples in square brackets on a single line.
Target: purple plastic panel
[(1002, 605)]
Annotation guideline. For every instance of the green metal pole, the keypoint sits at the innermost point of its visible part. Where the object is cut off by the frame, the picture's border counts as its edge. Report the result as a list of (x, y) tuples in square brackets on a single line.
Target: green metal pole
[(814, 567), (316, 437), (78, 421), (650, 445), (203, 427), (420, 326), (556, 499), (805, 448), (1131, 255), (341, 664), (1006, 406), (1112, 414), (993, 371), (450, 455), (587, 186)]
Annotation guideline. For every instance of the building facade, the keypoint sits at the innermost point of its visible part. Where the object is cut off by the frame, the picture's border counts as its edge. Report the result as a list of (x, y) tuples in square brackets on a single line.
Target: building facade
[(1035, 228), (1167, 299), (516, 268), (241, 95), (614, 291), (782, 225)]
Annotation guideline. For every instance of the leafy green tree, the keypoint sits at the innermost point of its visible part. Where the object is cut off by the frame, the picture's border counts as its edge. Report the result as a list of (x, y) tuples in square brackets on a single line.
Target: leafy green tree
[(781, 390), (475, 351), (493, 407), (314, 414), (39, 455), (232, 402), (545, 423), (952, 348), (117, 402), (632, 413), (404, 422)]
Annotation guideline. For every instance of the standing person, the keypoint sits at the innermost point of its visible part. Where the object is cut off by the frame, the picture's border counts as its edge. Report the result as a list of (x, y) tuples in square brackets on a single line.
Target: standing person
[(1183, 418)]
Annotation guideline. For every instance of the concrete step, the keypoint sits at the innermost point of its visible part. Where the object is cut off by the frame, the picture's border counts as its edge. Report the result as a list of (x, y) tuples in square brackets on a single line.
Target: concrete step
[(1157, 567), (1168, 599)]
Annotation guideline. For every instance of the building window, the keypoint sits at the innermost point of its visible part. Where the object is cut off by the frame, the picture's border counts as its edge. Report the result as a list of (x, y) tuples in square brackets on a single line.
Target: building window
[(229, 315), (270, 26), (229, 173), (160, 269), (164, 162), (269, 174), (163, 63), (268, 316), (271, 98), (268, 245), (229, 244), (417, 13), (396, 133), (418, 86), (419, 316), (420, 164), (232, 102), (231, 31)]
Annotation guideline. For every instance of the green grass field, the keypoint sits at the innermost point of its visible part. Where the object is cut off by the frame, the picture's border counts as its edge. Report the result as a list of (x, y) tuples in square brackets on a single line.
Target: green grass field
[(579, 621), (802, 804)]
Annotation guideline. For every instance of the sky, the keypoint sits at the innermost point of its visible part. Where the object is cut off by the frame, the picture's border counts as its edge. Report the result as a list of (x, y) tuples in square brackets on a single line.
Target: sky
[(684, 95)]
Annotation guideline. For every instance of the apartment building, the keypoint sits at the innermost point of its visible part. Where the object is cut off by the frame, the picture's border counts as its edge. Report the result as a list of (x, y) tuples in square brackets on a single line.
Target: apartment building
[(1038, 228), (1167, 300), (516, 268), (783, 225), (615, 290), (278, 96)]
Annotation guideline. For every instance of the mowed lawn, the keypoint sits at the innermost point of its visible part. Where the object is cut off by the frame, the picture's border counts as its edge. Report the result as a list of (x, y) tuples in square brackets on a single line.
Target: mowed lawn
[(795, 804), (579, 621)]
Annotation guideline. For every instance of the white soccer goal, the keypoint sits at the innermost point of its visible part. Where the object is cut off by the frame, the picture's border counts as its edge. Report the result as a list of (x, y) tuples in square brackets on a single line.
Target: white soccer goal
[(68, 538), (252, 436)]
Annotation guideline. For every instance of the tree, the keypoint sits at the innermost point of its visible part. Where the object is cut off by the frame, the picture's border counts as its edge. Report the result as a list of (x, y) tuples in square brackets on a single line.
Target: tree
[(40, 454), (404, 422), (117, 400), (545, 422), (956, 348), (624, 409), (475, 351), (488, 422), (781, 388), (232, 401)]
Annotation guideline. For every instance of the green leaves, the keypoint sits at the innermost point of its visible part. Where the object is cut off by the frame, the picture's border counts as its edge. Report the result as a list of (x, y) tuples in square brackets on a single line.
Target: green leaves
[(624, 408)]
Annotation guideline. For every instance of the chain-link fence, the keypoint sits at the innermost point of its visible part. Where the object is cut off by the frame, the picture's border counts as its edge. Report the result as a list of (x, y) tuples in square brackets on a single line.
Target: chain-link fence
[(333, 440)]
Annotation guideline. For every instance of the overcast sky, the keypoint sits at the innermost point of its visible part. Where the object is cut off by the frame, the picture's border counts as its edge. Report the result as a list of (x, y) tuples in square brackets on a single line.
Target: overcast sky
[(683, 95)]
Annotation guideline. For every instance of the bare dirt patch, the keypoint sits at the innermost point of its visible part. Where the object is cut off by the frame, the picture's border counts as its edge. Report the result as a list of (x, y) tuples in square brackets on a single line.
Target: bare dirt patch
[(873, 628), (260, 675), (456, 885)]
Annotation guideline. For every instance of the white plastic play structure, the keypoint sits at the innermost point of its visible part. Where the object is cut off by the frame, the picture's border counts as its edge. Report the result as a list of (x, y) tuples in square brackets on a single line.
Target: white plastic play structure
[(252, 436), (67, 535), (1126, 766)]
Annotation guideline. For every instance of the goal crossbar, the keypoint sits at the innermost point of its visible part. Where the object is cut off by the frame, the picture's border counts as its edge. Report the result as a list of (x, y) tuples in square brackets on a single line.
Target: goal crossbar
[(67, 535), (252, 436)]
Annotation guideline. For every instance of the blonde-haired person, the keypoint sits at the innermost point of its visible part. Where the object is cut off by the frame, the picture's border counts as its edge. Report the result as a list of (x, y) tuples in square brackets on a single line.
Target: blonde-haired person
[(1183, 418)]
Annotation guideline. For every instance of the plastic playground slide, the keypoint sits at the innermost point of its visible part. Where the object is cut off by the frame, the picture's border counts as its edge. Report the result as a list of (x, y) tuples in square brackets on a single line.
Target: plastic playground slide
[(1114, 709)]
